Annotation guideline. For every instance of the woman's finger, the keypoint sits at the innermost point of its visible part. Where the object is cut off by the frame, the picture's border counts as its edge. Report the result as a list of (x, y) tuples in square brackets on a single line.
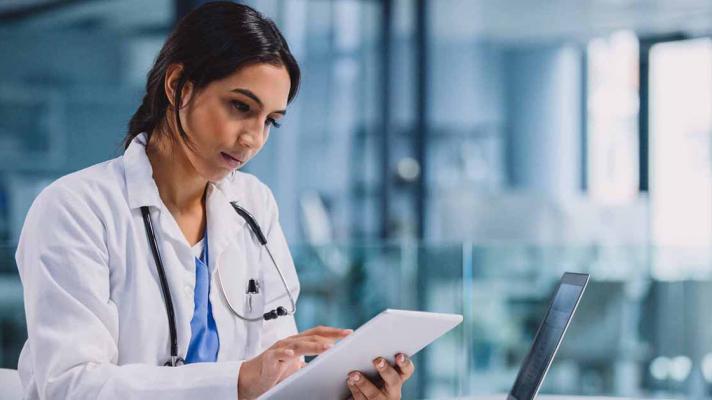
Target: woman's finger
[(275, 363), (392, 381), (327, 342), (307, 347), (278, 360), (284, 354), (291, 367), (326, 331), (356, 393), (365, 386), (316, 340), (405, 366), (317, 343)]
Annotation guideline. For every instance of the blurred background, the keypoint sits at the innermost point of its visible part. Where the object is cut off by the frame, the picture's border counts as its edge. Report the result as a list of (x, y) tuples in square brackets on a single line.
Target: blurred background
[(442, 155)]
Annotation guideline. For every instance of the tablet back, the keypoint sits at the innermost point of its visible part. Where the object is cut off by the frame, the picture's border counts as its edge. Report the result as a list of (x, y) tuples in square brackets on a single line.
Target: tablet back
[(388, 333)]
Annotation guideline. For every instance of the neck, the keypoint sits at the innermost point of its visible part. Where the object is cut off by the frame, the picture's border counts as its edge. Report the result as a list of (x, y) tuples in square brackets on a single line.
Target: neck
[(180, 186)]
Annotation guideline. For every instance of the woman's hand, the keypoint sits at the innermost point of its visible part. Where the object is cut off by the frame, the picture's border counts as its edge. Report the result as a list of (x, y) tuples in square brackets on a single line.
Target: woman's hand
[(284, 358), (393, 378)]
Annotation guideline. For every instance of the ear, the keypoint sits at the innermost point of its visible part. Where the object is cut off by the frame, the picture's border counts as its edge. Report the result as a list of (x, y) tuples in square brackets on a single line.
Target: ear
[(173, 75)]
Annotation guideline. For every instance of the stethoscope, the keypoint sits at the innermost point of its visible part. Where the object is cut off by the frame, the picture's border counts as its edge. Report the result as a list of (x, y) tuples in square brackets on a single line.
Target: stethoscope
[(252, 287)]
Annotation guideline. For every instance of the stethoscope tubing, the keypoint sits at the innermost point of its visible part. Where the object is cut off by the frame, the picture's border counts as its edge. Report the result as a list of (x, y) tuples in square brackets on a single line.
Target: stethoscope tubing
[(175, 360), (284, 283), (167, 299)]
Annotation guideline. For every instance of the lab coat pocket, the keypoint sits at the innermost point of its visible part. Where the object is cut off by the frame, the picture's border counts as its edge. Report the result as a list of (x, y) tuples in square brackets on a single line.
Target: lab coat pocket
[(234, 273), (241, 296), (254, 303)]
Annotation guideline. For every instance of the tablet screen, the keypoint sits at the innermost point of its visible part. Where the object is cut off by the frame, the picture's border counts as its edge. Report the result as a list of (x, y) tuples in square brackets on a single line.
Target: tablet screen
[(549, 336)]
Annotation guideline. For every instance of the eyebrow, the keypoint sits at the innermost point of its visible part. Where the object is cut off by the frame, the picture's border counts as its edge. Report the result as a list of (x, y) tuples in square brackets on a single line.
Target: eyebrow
[(254, 97)]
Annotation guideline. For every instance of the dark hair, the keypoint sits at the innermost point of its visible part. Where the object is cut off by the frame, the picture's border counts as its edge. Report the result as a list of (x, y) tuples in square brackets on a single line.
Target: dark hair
[(211, 42)]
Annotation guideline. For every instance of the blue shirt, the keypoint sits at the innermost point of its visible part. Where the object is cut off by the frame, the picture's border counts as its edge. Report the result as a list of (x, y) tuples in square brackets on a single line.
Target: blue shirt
[(204, 342)]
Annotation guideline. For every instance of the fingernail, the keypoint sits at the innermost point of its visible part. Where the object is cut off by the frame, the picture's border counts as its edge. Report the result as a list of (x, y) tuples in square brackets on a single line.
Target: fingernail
[(348, 331), (380, 363), (355, 377), (401, 359), (327, 346)]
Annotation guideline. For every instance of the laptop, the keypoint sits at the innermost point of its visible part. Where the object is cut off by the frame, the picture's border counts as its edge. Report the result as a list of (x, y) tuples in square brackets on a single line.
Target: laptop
[(549, 336)]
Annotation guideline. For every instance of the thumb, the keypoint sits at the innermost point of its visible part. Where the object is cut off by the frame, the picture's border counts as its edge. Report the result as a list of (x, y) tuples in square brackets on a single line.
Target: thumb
[(275, 363)]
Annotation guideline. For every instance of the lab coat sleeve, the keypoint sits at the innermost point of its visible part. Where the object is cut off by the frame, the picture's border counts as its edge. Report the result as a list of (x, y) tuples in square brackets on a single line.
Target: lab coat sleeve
[(72, 322), (282, 327)]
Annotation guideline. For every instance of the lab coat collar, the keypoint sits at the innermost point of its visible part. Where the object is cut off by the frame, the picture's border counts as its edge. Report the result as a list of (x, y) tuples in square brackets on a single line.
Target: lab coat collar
[(140, 186), (223, 222)]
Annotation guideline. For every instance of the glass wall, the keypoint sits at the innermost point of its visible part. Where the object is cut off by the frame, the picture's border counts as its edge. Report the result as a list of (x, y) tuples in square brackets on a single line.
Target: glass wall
[(681, 167), (612, 117), (632, 335)]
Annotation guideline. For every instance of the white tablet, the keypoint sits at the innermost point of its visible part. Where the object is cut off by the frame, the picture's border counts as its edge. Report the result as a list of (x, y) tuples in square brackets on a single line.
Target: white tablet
[(385, 335)]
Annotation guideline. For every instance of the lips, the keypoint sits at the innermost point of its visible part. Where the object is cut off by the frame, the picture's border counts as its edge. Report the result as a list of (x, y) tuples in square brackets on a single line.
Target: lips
[(231, 161)]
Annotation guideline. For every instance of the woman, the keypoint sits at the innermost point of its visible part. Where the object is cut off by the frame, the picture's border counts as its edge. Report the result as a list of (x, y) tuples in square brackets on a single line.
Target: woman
[(108, 253)]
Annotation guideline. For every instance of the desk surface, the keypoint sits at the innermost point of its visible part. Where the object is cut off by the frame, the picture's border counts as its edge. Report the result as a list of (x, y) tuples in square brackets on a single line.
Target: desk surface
[(546, 397)]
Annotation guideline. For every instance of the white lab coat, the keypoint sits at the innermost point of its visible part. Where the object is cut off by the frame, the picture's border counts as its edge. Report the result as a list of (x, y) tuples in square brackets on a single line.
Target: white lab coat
[(96, 319)]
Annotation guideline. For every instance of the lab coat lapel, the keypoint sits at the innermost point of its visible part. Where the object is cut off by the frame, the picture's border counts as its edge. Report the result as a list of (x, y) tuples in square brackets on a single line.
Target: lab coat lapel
[(175, 251), (228, 245), (142, 191), (223, 224), (230, 251)]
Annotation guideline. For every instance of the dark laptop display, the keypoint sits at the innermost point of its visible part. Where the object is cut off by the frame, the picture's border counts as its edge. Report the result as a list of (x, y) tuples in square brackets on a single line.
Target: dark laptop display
[(549, 336)]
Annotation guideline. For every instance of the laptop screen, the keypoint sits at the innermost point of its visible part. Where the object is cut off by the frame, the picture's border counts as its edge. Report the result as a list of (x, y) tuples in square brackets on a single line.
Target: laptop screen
[(549, 337)]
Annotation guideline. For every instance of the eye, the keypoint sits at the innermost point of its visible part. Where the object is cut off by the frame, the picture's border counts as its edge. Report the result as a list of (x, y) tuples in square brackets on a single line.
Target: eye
[(271, 121), (240, 106)]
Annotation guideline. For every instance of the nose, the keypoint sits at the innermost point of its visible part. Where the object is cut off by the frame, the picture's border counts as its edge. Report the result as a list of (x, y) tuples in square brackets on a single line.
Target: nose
[(252, 135)]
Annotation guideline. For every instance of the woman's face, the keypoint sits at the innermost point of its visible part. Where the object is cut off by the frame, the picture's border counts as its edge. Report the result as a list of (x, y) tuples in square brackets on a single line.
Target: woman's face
[(229, 120)]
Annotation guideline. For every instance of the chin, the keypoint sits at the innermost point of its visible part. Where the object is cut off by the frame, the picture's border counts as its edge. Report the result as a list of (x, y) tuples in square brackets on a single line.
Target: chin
[(216, 175), (219, 177)]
